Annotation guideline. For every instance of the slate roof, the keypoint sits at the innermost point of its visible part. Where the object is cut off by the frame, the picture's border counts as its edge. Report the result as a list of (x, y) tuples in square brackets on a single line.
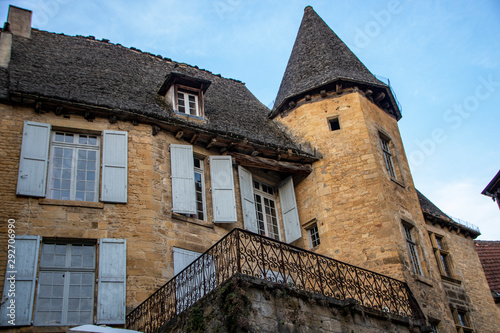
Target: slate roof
[(489, 254), (318, 57), (98, 73)]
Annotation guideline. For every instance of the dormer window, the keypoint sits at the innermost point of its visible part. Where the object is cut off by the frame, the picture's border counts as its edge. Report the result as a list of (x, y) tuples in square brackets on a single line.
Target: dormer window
[(188, 102), (185, 94)]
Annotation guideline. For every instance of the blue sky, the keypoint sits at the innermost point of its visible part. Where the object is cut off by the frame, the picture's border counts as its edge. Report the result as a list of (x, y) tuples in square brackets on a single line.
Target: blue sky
[(442, 58)]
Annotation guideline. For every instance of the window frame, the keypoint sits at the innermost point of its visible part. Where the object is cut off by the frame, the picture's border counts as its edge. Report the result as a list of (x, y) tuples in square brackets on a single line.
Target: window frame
[(67, 271), (313, 232), (201, 171), (76, 147), (412, 247), (385, 143), (462, 317), (187, 91), (270, 196), (442, 255)]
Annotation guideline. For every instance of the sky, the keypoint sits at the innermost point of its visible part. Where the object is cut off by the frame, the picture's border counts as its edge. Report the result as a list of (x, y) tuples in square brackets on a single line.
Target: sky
[(442, 59)]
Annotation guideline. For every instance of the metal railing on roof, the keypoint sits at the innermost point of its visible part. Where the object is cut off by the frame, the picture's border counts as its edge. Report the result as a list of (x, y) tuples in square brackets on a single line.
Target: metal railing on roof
[(243, 252), (388, 82), (465, 223)]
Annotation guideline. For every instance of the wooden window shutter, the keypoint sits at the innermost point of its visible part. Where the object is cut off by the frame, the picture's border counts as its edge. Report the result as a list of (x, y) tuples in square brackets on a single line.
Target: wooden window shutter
[(32, 176), (247, 199), (289, 211), (223, 197), (111, 288), (25, 268), (114, 166), (182, 174)]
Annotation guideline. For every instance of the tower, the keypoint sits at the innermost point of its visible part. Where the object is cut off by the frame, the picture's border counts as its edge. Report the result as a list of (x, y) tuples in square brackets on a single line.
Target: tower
[(360, 194)]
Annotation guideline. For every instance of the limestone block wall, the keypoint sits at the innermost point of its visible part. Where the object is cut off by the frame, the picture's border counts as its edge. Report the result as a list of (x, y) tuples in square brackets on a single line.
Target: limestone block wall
[(358, 206), (145, 221), (471, 291)]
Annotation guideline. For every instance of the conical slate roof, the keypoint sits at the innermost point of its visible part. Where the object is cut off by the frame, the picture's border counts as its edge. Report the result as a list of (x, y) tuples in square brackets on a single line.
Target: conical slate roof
[(319, 57)]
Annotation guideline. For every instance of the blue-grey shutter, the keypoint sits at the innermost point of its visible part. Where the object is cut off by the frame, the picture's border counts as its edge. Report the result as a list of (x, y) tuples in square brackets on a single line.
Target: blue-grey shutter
[(111, 288), (247, 199), (289, 211), (24, 273), (114, 166), (32, 176), (183, 258), (182, 174), (223, 197)]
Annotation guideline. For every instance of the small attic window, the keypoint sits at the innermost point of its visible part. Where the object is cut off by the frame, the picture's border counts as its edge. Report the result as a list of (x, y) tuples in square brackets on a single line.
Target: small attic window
[(334, 124), (187, 101), (185, 94)]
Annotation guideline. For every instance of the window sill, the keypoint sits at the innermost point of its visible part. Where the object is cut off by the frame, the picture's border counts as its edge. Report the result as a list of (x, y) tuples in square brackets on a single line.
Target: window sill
[(71, 203), (423, 280), (398, 182), (189, 116), (183, 218), (450, 279)]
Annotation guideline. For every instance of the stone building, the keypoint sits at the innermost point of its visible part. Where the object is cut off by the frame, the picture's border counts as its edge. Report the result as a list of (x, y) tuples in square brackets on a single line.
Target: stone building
[(120, 168)]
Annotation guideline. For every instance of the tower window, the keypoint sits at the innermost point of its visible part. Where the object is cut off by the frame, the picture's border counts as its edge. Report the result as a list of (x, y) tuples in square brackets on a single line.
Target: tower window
[(334, 124), (412, 249), (388, 157)]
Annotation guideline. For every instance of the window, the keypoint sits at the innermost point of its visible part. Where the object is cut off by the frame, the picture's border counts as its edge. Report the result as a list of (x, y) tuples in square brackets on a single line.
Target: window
[(434, 328), (412, 248), (258, 202), (199, 183), (388, 156), (66, 282), (313, 236), (188, 185), (187, 102), (265, 207), (334, 124), (462, 321), (74, 165), (442, 255)]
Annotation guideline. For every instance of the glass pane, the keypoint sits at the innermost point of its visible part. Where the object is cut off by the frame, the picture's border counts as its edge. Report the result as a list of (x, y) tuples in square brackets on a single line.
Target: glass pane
[(80, 196), (93, 140), (90, 175), (68, 138), (59, 137), (82, 139), (68, 153), (91, 155)]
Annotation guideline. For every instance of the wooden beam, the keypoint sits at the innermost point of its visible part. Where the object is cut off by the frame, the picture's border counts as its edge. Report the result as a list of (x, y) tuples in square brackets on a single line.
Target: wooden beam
[(270, 164), (194, 138), (179, 134), (211, 143)]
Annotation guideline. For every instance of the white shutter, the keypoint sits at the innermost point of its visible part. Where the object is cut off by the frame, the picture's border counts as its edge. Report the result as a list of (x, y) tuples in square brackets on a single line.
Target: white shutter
[(247, 199), (24, 273), (33, 163), (182, 174), (183, 258), (223, 198), (111, 288), (114, 166), (289, 211)]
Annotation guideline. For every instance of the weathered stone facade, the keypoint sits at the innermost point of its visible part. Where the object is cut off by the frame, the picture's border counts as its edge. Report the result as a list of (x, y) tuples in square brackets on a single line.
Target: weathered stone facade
[(360, 192)]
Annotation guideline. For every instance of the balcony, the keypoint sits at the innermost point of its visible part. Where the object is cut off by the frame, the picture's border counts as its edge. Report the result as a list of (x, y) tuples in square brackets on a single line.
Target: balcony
[(243, 252)]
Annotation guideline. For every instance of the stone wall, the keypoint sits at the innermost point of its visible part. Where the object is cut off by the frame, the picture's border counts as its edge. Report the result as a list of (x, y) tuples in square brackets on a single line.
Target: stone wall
[(470, 291), (245, 304), (359, 208), (146, 220)]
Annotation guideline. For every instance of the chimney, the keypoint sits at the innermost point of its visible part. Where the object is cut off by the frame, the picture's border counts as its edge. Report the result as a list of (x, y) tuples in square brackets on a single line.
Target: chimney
[(19, 20)]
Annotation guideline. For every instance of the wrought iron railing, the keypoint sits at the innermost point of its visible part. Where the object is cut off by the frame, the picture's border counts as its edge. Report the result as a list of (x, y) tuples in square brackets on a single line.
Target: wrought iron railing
[(244, 252)]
